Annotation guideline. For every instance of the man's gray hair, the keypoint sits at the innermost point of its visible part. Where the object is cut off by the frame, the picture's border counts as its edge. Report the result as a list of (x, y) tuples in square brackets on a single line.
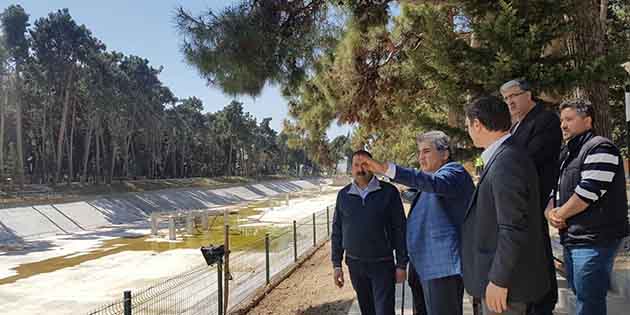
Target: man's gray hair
[(439, 139), (520, 83)]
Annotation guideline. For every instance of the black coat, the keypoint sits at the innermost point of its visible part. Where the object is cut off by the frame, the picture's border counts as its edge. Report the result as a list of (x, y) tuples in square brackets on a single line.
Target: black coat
[(540, 135), (501, 239)]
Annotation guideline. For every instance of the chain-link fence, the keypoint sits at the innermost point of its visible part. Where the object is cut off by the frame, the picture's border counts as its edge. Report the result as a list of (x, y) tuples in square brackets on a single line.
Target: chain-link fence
[(250, 268)]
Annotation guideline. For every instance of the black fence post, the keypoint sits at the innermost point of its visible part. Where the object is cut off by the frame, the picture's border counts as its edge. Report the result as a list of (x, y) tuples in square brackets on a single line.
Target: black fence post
[(267, 263), (314, 231), (220, 286), (328, 221), (127, 302), (225, 260), (294, 241)]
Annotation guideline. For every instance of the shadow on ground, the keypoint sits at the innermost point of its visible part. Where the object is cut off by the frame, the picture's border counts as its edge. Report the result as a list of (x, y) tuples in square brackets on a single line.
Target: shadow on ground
[(335, 307)]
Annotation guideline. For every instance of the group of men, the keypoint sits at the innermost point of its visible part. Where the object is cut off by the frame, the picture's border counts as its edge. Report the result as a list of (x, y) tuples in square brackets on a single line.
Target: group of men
[(493, 239)]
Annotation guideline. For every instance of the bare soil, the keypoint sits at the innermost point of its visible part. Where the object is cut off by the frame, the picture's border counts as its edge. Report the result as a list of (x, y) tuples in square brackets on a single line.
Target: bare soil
[(309, 291)]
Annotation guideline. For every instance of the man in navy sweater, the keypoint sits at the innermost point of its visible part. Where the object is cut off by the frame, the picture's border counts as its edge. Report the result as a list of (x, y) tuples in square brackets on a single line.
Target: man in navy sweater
[(369, 227), (435, 218)]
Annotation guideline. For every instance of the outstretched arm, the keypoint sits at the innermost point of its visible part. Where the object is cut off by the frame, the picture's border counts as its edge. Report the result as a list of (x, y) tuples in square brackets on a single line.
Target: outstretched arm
[(444, 182)]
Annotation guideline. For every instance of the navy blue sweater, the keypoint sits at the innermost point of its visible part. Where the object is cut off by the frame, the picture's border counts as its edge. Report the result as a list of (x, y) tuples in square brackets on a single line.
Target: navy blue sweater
[(369, 230)]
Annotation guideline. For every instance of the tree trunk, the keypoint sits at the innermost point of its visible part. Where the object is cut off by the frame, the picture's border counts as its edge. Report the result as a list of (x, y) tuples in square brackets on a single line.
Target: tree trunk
[(125, 153), (157, 142), (18, 127), (603, 14), (455, 116), (127, 145), (229, 168), (214, 159), (182, 171), (66, 145), (86, 152), (71, 144), (244, 170), (62, 127), (44, 148), (243, 165), (139, 168), (588, 47), (97, 173), (3, 106), (153, 157), (172, 151), (113, 162)]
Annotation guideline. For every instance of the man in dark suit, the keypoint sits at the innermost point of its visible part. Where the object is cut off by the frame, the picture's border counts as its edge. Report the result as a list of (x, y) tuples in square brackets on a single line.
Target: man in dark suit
[(504, 262), (538, 132)]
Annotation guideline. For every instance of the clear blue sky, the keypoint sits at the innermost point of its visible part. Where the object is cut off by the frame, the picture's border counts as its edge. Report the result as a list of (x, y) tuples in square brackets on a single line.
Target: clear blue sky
[(146, 29)]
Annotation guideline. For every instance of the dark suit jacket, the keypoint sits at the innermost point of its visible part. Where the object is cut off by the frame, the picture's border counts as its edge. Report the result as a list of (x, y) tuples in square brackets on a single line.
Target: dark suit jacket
[(540, 135), (501, 239)]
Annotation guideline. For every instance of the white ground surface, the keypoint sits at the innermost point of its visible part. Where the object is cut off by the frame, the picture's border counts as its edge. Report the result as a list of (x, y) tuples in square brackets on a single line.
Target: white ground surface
[(76, 290), (296, 210), (81, 288)]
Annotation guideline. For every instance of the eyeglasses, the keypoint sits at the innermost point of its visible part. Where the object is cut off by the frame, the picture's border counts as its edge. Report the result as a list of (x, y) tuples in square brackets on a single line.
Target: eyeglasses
[(511, 96)]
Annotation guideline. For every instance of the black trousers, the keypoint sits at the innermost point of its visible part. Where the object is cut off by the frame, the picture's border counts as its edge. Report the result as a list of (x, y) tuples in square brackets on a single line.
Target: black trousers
[(444, 295), (374, 283), (548, 302), (419, 307)]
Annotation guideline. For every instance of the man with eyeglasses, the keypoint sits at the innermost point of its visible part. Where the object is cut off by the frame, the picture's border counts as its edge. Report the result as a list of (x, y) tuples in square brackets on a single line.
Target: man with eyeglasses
[(537, 131)]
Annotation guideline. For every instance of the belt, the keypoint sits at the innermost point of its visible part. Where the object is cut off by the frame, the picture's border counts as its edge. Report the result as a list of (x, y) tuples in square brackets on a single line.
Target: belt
[(370, 259)]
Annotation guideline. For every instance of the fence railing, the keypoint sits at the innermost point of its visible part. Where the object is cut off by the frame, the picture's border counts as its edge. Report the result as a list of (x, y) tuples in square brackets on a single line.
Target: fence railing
[(251, 267)]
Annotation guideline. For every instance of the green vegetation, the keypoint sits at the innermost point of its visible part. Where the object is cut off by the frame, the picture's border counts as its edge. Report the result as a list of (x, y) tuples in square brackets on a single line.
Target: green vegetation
[(72, 111), (396, 68)]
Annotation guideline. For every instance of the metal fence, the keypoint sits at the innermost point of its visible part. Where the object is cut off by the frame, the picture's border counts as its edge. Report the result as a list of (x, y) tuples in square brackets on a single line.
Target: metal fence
[(251, 267)]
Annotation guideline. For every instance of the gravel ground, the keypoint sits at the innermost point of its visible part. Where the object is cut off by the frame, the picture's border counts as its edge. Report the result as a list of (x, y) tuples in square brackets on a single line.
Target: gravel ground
[(309, 291)]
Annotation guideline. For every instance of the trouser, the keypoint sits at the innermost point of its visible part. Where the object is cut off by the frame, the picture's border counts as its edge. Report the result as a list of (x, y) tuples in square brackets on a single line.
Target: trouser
[(374, 284), (547, 303), (444, 296), (476, 305), (513, 308), (588, 273), (416, 291)]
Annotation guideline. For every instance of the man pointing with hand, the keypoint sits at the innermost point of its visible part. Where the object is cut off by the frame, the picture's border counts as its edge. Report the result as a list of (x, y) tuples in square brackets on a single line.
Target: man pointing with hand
[(435, 218)]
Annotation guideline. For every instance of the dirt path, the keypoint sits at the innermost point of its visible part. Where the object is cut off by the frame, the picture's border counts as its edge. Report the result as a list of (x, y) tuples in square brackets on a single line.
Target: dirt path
[(309, 291)]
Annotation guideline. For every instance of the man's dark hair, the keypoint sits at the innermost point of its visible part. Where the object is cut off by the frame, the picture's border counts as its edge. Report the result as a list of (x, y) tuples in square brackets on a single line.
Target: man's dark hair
[(361, 152), (491, 111), (583, 107)]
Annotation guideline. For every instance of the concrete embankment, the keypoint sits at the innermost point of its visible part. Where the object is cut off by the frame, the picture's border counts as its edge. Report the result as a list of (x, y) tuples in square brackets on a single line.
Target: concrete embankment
[(23, 223)]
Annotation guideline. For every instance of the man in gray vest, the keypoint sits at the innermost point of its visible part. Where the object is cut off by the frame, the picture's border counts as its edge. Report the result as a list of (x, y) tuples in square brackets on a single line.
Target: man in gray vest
[(590, 207)]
